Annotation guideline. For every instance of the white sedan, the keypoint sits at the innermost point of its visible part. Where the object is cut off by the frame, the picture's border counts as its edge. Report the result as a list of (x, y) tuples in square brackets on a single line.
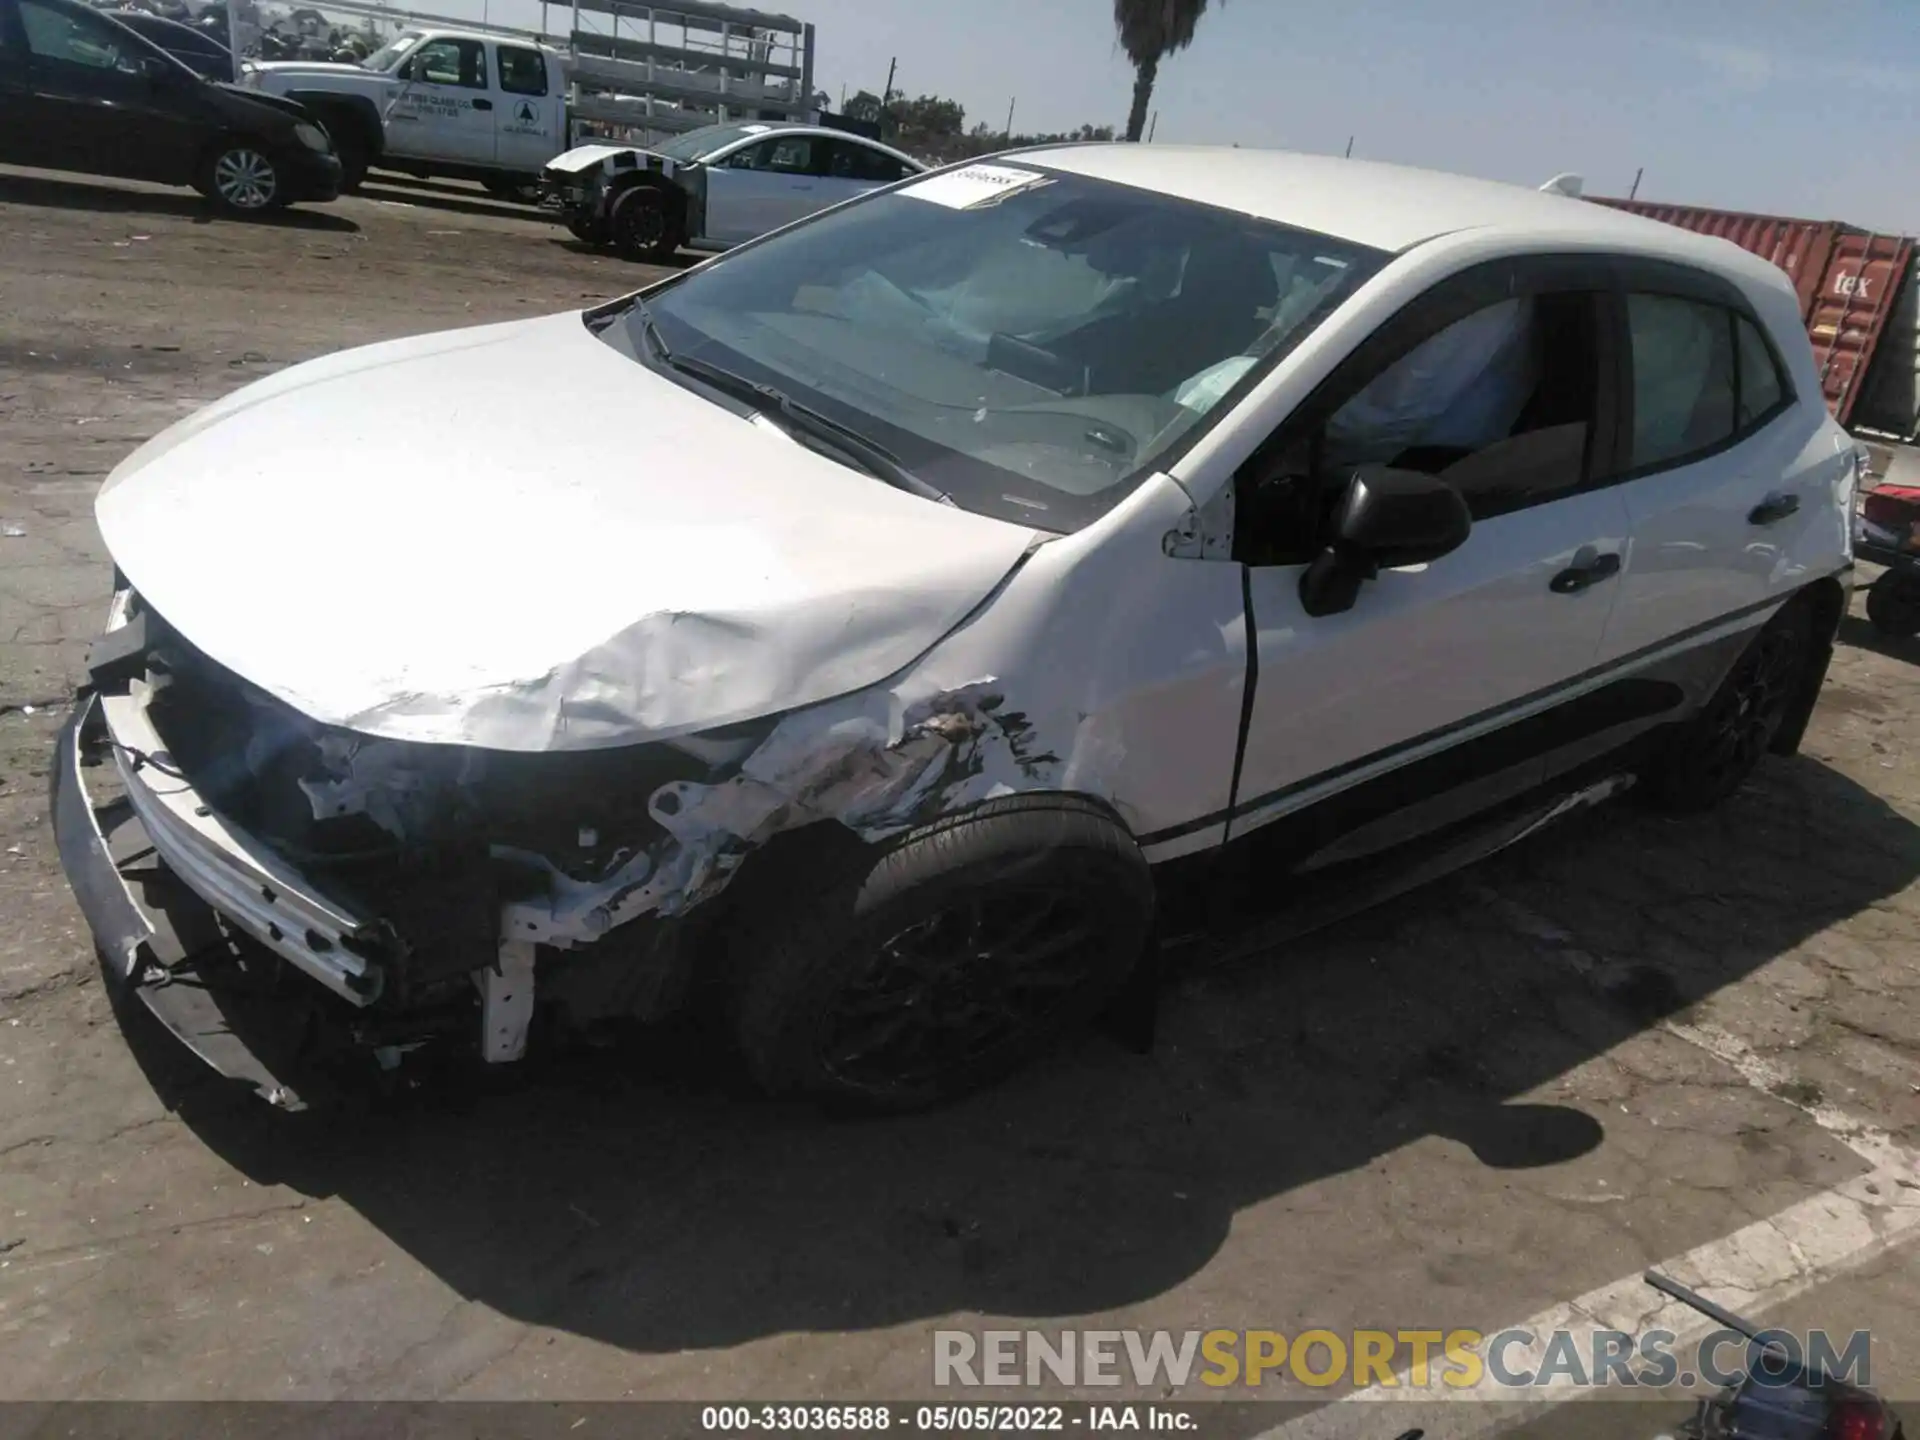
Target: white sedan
[(715, 187), (913, 611)]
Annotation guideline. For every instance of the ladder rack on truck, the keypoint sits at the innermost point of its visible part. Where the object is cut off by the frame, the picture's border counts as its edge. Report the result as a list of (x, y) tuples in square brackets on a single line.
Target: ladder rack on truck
[(495, 103)]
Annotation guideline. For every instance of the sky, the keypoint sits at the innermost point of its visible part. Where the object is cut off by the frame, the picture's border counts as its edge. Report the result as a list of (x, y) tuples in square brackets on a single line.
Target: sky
[(1794, 107)]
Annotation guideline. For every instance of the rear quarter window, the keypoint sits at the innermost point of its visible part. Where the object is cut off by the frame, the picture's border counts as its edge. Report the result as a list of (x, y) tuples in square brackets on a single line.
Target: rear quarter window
[(1763, 390)]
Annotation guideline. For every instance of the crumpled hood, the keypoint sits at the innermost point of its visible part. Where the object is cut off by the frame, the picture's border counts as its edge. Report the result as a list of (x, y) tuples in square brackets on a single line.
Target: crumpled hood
[(512, 536)]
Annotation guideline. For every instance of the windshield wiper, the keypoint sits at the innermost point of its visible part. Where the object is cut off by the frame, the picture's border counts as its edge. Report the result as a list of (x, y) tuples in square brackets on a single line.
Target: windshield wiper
[(802, 421)]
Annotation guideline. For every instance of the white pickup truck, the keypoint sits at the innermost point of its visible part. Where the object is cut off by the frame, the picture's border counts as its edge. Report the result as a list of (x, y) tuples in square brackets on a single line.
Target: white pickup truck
[(435, 102)]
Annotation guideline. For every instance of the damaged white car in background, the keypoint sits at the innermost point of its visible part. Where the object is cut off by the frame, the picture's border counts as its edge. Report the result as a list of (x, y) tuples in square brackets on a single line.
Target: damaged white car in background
[(974, 576)]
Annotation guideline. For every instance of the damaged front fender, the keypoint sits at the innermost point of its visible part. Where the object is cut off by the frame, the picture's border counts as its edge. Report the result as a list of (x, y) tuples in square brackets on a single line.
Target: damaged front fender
[(872, 762)]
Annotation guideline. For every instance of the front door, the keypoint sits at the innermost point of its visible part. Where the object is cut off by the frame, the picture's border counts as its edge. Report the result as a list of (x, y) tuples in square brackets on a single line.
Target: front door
[(1422, 703), (94, 108), (526, 122), (761, 187), (445, 108)]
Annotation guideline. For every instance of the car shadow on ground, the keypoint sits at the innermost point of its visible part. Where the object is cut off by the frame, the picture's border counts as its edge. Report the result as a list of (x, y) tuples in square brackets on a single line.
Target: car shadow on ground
[(77, 194), (1861, 635), (647, 1201), (682, 259), (389, 190), (458, 189)]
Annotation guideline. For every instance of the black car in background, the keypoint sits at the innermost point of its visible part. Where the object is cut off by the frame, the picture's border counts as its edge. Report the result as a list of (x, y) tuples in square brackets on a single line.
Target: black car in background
[(81, 91), (193, 48)]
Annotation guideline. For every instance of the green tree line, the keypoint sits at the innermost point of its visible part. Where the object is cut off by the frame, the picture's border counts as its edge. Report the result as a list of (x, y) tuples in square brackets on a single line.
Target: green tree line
[(935, 129)]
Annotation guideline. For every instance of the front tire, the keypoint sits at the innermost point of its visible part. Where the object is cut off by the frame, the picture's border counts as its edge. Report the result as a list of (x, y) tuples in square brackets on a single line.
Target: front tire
[(1893, 605), (1716, 751), (240, 178), (946, 960), (645, 227)]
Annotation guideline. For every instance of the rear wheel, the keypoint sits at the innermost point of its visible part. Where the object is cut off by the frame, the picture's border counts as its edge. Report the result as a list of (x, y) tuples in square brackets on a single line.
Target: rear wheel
[(945, 961), (240, 178), (1718, 749), (646, 227), (1893, 605)]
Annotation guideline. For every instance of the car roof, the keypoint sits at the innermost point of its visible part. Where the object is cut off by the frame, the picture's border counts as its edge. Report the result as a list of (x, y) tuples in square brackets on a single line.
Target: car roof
[(1387, 207), (144, 19), (798, 127)]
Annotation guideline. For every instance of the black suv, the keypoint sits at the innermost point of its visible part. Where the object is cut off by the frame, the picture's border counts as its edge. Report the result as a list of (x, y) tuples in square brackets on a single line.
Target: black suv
[(80, 91)]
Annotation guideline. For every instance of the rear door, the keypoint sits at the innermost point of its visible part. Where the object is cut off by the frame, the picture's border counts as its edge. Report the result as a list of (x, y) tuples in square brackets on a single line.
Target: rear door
[(445, 108), (1446, 686), (762, 186), (526, 121), (93, 107), (1728, 480), (849, 167)]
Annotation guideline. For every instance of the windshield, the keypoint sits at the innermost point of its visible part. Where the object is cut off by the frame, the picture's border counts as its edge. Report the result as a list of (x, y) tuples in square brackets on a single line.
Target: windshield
[(702, 142), (1031, 343), (389, 54)]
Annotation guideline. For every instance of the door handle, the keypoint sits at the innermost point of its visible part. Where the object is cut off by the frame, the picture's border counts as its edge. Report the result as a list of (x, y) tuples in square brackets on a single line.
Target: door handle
[(483, 104), (1589, 567), (1777, 506)]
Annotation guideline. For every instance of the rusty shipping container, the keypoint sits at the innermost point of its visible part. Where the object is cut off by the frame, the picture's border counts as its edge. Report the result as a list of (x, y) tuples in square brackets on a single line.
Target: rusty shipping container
[(1889, 399), (1802, 248), (1848, 280), (1850, 314)]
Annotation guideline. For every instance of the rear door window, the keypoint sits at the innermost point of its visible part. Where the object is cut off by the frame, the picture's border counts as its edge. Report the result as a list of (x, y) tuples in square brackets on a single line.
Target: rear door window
[(1683, 378), (850, 160), (522, 72), (1762, 389)]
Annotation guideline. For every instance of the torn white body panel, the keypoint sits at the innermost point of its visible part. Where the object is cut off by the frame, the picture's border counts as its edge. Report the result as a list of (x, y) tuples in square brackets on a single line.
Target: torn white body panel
[(365, 539), (586, 157), (1005, 705)]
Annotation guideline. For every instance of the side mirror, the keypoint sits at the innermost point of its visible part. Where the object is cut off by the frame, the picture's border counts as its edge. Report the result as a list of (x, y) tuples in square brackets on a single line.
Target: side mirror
[(155, 69), (1386, 518)]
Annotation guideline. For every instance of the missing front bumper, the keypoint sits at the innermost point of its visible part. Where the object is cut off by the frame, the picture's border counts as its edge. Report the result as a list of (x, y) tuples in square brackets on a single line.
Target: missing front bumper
[(236, 874), (203, 924), (158, 941)]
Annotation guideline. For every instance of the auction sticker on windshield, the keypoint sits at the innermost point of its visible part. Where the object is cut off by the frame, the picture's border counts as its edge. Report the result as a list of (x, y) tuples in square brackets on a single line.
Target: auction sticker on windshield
[(973, 185)]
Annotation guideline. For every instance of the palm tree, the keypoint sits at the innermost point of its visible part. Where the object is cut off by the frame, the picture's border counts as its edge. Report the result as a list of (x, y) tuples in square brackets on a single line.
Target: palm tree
[(1151, 30)]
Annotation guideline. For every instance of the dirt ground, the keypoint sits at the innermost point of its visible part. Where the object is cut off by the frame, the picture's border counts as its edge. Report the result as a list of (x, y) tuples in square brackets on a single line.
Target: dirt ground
[(1488, 1098)]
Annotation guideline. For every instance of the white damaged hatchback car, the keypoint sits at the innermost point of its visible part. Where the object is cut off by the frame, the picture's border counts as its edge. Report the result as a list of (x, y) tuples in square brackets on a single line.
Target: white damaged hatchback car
[(929, 602)]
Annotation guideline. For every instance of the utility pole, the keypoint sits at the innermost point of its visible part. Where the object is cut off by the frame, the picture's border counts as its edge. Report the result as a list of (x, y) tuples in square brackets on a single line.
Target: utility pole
[(843, 97), (886, 95), (1349, 154), (1008, 137), (1636, 182), (1153, 126)]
